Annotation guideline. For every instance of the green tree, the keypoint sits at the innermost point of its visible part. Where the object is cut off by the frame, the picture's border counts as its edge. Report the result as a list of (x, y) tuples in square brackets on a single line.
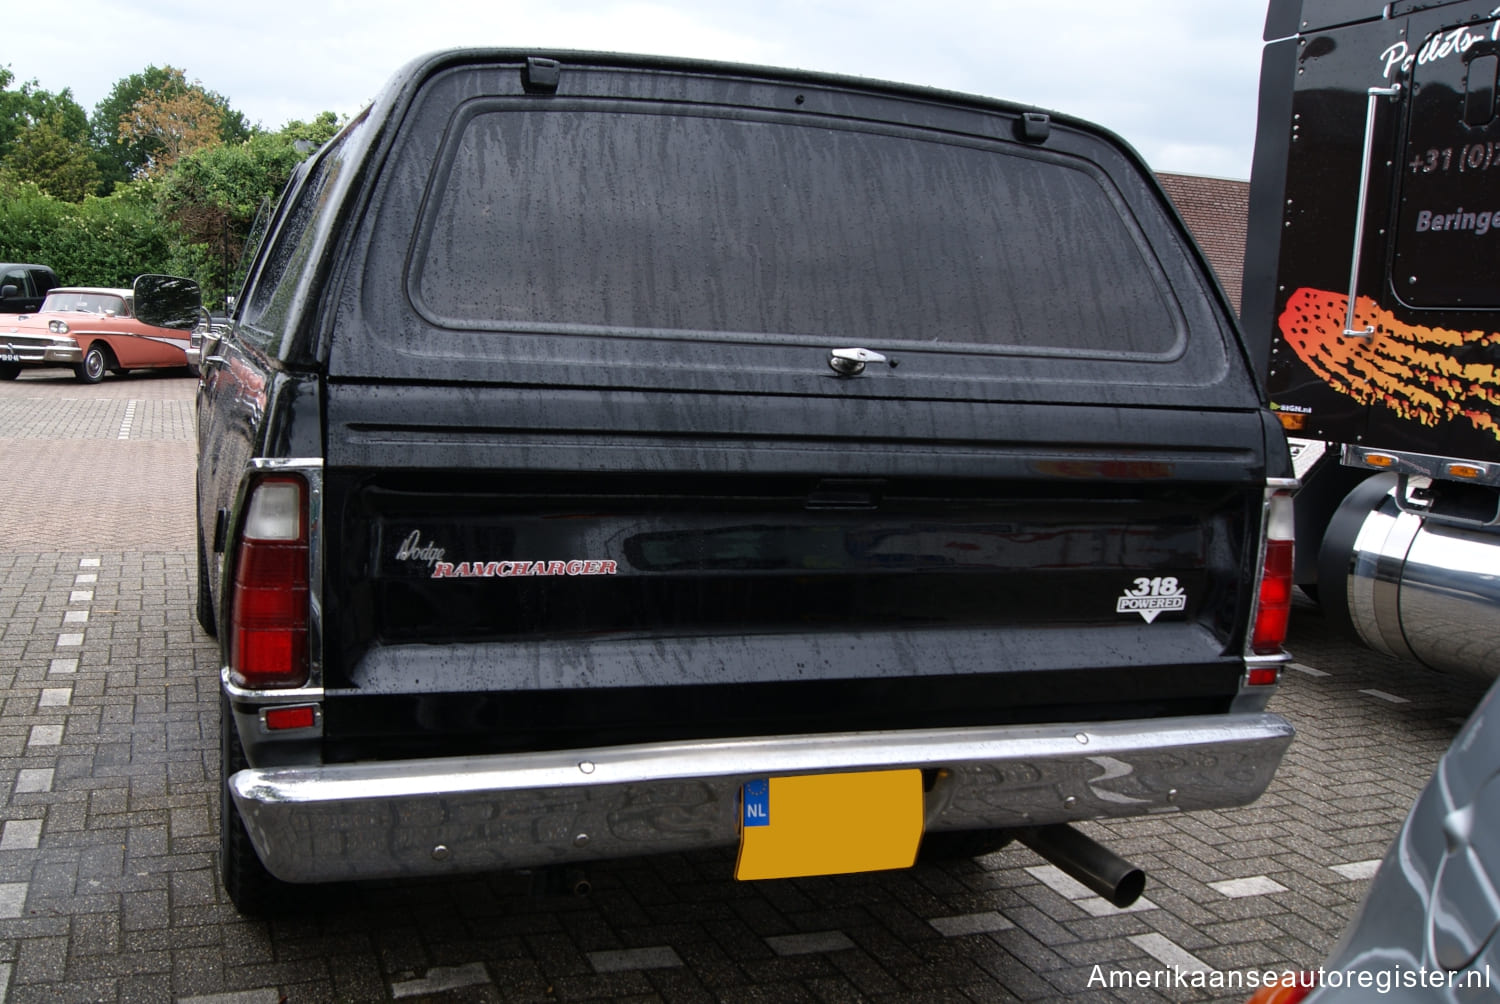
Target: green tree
[(28, 105), (214, 193), (175, 119), (323, 127), (59, 165), (98, 242), (121, 159)]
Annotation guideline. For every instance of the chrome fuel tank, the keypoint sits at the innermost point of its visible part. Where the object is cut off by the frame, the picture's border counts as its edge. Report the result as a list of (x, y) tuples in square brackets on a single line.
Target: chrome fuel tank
[(1414, 585)]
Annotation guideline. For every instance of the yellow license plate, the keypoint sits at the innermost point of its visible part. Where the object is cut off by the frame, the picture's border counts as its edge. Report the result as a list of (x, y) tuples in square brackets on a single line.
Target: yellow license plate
[(829, 824)]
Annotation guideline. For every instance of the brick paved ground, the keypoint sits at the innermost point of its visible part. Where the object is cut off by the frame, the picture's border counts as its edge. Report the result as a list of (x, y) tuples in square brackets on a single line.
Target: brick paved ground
[(104, 465), (109, 775)]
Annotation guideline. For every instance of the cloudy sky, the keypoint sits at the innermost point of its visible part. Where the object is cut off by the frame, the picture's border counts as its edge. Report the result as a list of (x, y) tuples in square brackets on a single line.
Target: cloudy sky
[(1176, 78)]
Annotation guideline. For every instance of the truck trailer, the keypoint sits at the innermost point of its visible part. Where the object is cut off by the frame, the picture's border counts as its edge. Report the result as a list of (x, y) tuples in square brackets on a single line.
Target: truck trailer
[(1371, 283)]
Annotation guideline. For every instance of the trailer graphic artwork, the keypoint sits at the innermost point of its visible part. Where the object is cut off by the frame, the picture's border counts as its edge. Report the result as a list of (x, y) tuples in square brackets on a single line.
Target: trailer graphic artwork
[(1410, 369)]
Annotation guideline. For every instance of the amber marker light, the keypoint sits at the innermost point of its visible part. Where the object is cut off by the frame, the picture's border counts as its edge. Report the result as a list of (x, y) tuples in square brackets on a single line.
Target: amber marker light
[(1381, 460), (1465, 472)]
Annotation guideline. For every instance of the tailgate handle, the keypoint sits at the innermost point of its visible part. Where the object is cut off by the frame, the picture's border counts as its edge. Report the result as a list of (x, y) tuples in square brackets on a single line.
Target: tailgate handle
[(851, 362)]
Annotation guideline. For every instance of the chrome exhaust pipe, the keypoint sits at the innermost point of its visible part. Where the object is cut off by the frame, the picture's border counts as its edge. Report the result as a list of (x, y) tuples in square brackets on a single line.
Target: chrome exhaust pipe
[(1093, 864)]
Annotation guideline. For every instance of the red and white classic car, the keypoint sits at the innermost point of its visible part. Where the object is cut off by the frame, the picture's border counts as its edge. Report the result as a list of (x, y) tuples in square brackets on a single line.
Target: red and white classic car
[(92, 329)]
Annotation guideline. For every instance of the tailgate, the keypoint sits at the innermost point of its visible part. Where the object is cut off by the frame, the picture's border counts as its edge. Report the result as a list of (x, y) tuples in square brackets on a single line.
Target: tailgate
[(646, 586)]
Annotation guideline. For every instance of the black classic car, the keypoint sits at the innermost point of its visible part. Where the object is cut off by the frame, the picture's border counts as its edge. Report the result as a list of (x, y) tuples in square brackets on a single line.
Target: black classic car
[(614, 455)]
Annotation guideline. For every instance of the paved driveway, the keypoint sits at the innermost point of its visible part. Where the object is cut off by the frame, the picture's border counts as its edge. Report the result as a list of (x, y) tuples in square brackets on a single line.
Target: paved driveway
[(109, 775)]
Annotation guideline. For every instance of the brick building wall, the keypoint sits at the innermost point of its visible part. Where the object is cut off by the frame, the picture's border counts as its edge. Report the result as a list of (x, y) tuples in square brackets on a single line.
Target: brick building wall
[(1216, 211)]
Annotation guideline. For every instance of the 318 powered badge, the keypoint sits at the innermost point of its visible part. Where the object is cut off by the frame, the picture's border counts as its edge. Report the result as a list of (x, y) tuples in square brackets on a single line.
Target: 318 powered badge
[(1150, 597)]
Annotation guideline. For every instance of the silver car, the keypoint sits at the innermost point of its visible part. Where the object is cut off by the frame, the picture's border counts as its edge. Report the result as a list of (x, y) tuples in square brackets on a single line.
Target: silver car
[(1426, 930)]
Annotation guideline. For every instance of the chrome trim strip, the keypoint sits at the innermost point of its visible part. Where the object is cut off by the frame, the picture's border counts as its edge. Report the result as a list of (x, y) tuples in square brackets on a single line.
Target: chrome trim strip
[(115, 333), (462, 814), (286, 463), (267, 696)]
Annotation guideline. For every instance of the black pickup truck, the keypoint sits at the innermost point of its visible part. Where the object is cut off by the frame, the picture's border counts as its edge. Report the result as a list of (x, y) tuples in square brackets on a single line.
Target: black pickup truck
[(613, 455), (24, 287)]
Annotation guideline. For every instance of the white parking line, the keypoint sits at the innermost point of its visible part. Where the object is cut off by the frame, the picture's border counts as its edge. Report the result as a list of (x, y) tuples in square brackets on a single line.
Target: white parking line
[(1169, 953), (1382, 695), (55, 697), (441, 978), (1358, 869), (1081, 895), (129, 419), (266, 995), (1257, 885), (1306, 670), (21, 835), (970, 923), (634, 959), (1060, 882), (809, 944), (13, 899), (45, 735)]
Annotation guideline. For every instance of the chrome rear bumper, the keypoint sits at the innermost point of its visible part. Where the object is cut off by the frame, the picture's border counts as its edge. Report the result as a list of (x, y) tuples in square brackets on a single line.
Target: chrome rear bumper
[(465, 814)]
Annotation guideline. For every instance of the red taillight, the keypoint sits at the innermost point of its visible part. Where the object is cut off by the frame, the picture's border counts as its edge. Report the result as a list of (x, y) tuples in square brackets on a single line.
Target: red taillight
[(1262, 676), (269, 642), (301, 717), (1273, 606)]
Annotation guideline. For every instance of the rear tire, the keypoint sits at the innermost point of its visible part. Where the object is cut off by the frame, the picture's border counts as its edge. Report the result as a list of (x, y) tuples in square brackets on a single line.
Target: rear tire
[(253, 890)]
